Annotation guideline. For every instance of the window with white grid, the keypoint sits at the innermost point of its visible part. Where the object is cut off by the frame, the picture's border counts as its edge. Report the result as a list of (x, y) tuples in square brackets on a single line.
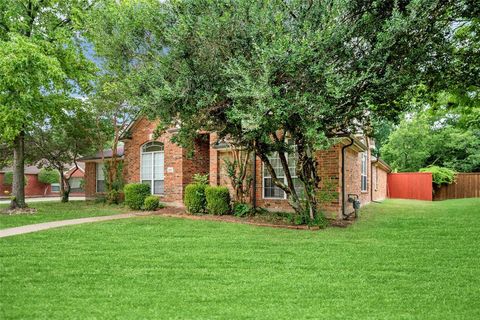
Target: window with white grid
[(270, 190), (364, 172), (152, 166)]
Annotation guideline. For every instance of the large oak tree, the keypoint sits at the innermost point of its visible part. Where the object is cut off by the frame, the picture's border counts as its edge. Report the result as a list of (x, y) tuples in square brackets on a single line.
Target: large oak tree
[(282, 76), (42, 65)]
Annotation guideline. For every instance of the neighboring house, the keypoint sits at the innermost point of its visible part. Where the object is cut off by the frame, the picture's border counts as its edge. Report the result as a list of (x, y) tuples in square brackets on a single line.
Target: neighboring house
[(76, 176), (167, 168), (35, 188)]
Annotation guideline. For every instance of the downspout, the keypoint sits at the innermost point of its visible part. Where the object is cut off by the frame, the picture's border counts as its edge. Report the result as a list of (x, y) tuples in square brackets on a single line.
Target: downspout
[(371, 178), (343, 175)]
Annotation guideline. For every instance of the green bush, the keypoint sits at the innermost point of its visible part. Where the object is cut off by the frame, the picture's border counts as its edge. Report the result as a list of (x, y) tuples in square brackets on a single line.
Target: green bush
[(200, 178), (151, 203), (218, 200), (114, 197), (8, 178), (440, 175), (48, 176), (135, 194), (100, 199), (194, 199), (241, 209)]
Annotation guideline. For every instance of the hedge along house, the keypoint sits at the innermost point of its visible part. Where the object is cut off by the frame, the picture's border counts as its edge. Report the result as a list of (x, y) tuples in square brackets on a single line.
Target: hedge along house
[(347, 168)]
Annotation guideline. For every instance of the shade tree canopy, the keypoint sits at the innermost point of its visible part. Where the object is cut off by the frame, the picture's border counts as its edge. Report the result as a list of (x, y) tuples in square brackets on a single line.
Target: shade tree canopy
[(285, 76), (42, 66)]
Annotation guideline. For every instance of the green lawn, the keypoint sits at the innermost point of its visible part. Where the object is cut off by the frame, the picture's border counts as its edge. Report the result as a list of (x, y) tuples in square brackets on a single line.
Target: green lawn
[(55, 210), (402, 260)]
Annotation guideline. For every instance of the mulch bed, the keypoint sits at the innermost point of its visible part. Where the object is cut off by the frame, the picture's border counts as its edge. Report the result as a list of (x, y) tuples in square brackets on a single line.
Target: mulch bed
[(174, 212), (10, 212)]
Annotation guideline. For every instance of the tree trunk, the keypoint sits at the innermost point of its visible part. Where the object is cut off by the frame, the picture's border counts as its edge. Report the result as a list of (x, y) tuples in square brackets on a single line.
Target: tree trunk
[(64, 186), (18, 184), (307, 173)]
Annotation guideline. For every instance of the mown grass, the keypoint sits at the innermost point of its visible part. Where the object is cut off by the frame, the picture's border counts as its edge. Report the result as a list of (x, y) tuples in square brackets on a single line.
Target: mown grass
[(402, 260), (56, 210)]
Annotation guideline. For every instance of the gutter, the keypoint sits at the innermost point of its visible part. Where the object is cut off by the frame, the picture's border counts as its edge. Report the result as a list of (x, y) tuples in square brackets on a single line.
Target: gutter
[(343, 175)]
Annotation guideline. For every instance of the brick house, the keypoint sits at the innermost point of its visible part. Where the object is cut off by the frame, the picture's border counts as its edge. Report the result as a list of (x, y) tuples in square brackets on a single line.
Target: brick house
[(35, 188), (167, 168)]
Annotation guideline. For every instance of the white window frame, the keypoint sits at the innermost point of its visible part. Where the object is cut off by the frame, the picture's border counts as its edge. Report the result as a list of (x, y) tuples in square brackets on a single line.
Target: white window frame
[(364, 172), (294, 176), (152, 178), (55, 185), (97, 164)]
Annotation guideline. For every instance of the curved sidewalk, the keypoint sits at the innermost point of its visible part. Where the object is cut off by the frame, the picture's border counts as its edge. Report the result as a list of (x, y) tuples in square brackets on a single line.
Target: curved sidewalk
[(56, 224)]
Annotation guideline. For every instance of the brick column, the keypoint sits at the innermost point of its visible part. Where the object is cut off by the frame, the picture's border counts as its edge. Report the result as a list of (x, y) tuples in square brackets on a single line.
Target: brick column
[(213, 171)]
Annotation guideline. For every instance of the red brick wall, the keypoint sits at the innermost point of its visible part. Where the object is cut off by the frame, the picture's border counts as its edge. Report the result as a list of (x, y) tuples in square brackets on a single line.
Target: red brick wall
[(379, 176), (142, 132), (179, 168), (214, 162), (199, 161), (90, 179), (3, 187), (353, 165), (329, 170), (34, 188), (328, 162)]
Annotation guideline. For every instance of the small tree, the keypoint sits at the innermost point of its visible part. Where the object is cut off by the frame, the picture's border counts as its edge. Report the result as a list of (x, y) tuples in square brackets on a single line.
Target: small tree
[(57, 143), (48, 176), (239, 172), (107, 29), (441, 175)]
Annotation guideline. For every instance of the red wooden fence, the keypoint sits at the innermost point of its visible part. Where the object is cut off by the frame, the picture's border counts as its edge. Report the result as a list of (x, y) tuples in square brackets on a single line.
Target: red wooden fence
[(410, 185)]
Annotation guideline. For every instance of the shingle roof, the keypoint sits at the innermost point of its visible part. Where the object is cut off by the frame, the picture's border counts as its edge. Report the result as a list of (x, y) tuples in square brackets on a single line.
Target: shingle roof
[(28, 169), (107, 153)]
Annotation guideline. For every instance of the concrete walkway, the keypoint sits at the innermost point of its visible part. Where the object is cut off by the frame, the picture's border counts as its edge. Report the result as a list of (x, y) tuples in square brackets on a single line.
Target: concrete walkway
[(62, 223), (42, 199)]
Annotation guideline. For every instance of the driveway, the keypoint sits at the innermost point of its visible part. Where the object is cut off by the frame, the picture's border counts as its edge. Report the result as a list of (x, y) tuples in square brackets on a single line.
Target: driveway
[(40, 199)]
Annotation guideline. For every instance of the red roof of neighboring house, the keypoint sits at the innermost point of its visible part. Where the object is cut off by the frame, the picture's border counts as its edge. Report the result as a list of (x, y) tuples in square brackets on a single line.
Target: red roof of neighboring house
[(80, 173)]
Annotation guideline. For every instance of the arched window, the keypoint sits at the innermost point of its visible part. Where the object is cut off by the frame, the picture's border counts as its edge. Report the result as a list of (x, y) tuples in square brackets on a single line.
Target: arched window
[(152, 166)]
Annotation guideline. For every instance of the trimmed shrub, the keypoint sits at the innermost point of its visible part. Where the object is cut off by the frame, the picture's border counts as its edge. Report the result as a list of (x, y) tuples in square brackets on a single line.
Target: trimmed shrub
[(48, 176), (151, 203), (218, 200), (114, 197), (135, 194), (200, 178), (194, 199), (241, 209), (8, 179), (440, 175)]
